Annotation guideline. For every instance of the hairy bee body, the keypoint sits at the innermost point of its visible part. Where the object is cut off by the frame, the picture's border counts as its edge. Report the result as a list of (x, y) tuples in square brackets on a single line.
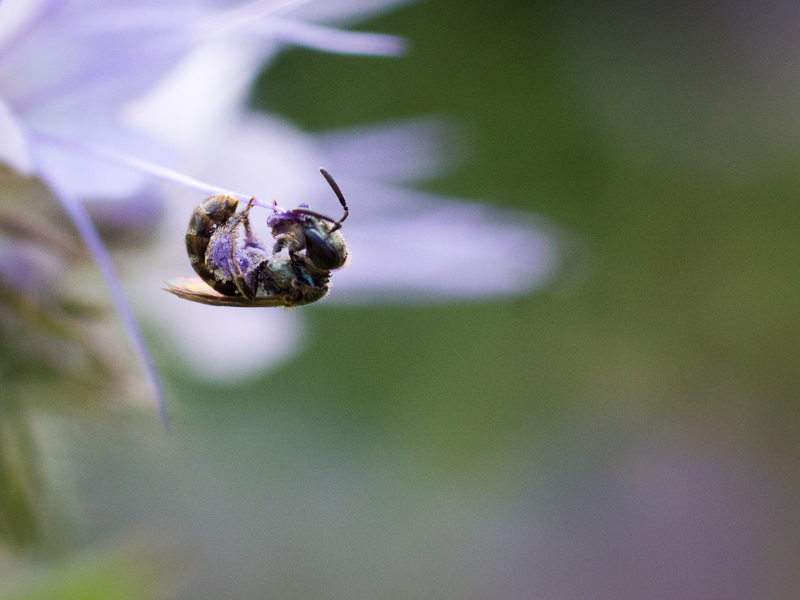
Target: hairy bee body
[(211, 216), (296, 271)]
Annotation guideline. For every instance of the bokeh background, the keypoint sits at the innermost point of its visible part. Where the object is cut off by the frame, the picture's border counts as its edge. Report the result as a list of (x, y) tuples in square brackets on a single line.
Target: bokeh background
[(629, 432)]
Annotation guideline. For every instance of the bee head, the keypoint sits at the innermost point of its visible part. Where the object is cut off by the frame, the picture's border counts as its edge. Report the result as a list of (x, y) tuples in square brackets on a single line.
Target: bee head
[(325, 246), (318, 234)]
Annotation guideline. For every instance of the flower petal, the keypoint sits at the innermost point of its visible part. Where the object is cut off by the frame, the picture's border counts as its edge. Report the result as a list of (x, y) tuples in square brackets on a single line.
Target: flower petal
[(343, 11), (52, 63), (203, 93), (407, 150), (265, 156), (329, 39), (424, 248), (226, 343), (14, 16), (70, 155), (14, 150), (80, 218), (53, 151)]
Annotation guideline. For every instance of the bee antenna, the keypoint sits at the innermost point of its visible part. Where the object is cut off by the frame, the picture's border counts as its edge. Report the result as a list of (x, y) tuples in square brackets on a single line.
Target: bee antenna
[(339, 195)]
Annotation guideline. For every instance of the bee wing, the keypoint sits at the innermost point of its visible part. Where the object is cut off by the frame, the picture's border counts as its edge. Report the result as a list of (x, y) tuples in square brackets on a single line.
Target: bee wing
[(197, 290)]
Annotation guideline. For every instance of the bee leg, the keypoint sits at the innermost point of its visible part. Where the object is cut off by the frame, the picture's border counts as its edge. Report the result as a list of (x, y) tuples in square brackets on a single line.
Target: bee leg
[(293, 297), (241, 283), (236, 271), (294, 241), (258, 271), (250, 238), (280, 243)]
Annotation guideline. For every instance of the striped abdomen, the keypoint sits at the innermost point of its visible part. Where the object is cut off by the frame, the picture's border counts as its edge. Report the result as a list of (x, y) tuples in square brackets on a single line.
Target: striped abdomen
[(212, 213)]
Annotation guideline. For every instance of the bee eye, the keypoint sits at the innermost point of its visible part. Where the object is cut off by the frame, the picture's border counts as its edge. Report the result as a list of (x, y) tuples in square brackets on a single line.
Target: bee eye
[(321, 252)]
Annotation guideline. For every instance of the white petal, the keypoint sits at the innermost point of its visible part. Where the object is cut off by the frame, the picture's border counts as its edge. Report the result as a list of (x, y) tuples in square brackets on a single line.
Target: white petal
[(228, 343), (407, 150), (86, 176), (431, 249), (344, 11), (14, 14), (50, 63), (329, 39), (266, 157), (14, 150), (201, 95)]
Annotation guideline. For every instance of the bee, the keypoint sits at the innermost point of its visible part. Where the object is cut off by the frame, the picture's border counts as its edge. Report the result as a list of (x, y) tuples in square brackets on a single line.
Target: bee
[(246, 272)]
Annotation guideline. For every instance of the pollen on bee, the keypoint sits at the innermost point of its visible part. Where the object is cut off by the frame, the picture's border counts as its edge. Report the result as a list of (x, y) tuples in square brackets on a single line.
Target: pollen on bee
[(220, 275)]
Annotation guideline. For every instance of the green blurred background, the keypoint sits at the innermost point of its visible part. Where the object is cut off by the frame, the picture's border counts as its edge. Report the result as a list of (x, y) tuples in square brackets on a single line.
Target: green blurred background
[(632, 431), (664, 136)]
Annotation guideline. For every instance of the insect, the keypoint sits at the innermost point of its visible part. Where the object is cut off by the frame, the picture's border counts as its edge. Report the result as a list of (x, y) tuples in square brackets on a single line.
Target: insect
[(294, 271)]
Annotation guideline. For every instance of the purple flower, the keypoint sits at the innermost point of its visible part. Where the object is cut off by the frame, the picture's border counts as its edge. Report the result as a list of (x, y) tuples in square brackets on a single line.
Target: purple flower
[(99, 97), (70, 69)]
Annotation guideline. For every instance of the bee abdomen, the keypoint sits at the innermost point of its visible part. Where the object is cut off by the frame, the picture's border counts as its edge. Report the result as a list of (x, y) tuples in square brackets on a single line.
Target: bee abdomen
[(212, 213)]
